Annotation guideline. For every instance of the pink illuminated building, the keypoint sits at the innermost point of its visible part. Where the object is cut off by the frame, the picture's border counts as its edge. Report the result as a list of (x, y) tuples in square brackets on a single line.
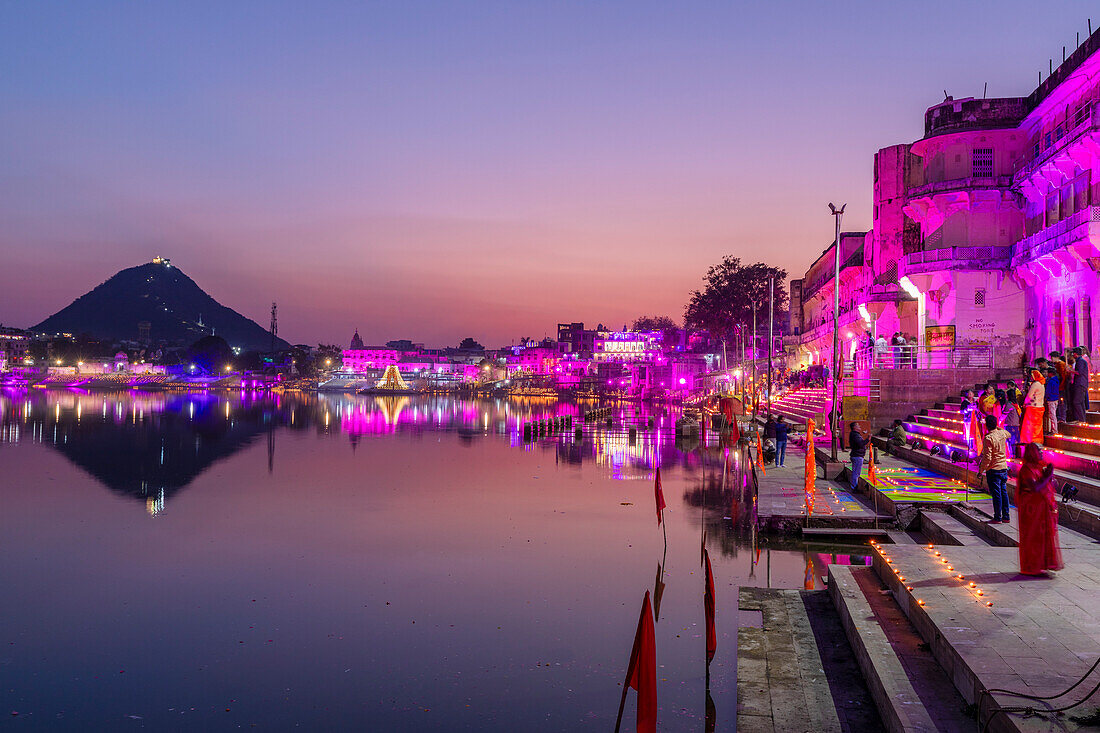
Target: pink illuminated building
[(985, 244)]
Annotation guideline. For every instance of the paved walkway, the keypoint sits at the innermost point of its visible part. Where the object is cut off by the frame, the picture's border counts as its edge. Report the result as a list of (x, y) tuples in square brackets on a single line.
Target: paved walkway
[(1007, 631), (782, 496)]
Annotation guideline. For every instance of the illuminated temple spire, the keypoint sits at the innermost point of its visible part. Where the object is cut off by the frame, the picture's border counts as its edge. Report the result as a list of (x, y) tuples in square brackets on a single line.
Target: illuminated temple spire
[(356, 342), (391, 379)]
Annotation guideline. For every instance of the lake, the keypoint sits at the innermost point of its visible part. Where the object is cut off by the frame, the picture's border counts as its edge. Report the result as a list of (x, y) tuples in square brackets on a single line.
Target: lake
[(219, 561)]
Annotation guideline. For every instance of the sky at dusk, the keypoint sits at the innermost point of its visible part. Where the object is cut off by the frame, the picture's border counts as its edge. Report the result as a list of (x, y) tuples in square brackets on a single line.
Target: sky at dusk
[(439, 170)]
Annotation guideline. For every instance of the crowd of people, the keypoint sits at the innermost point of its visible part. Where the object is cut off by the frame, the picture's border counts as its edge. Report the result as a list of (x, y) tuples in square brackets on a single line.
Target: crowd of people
[(1056, 390)]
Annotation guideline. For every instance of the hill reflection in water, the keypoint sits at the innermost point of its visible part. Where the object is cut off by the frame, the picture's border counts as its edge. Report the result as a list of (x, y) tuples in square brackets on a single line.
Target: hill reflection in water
[(149, 446)]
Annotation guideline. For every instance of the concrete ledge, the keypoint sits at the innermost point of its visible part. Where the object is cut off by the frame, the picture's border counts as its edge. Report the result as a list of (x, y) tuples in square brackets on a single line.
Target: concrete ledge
[(898, 703)]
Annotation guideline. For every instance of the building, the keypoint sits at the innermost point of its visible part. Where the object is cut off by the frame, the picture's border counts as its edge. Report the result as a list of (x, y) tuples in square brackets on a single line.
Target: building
[(985, 244)]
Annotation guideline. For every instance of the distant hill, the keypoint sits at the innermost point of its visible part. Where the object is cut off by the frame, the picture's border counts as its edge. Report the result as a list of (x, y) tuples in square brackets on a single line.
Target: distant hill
[(162, 296)]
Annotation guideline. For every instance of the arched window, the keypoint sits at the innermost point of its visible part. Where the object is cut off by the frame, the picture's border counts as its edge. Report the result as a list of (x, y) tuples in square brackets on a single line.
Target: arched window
[(1057, 331), (1071, 323), (1086, 322)]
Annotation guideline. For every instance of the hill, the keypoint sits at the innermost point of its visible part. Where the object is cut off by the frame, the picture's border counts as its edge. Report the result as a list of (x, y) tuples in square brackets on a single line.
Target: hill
[(168, 300)]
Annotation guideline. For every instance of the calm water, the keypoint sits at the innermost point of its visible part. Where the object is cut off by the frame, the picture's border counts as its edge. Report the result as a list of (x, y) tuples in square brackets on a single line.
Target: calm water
[(327, 562)]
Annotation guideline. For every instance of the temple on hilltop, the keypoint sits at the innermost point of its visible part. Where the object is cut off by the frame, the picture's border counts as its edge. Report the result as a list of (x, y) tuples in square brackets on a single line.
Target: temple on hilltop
[(356, 342)]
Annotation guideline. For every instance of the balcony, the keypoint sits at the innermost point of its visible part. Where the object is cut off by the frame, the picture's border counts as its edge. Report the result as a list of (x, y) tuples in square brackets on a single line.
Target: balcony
[(956, 258), (1080, 125), (1081, 226), (960, 184)]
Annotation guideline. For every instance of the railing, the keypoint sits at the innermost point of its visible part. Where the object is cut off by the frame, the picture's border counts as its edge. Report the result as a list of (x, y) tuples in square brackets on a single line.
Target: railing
[(956, 184), (861, 385), (1080, 126), (924, 357), (1055, 236)]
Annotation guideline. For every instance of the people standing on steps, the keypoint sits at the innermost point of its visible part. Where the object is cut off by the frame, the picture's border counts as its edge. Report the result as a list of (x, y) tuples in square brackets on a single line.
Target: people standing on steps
[(1053, 393), (1064, 381), (1079, 391), (781, 431), (1038, 513), (1010, 418), (857, 451), (994, 462), (881, 349), (1031, 428)]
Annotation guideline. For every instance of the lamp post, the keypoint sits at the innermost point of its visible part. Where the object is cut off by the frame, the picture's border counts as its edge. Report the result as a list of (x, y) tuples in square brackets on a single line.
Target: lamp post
[(771, 338), (833, 436), (754, 389)]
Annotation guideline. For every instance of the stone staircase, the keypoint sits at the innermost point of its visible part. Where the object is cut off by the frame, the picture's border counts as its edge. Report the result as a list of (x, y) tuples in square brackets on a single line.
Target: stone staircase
[(937, 441), (798, 406)]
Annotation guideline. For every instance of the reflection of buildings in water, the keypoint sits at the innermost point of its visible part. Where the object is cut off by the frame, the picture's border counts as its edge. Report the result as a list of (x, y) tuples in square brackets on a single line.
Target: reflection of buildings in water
[(724, 500), (364, 416)]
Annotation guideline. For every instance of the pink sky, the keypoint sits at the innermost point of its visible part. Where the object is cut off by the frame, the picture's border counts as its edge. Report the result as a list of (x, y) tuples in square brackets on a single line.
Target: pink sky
[(432, 171)]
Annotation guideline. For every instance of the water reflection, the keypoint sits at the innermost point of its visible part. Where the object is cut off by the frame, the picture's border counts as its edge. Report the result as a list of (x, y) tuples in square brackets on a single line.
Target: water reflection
[(415, 563), (149, 446)]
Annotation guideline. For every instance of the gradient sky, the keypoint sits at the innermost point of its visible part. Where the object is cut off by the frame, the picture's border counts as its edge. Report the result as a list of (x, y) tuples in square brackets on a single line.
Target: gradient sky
[(437, 170)]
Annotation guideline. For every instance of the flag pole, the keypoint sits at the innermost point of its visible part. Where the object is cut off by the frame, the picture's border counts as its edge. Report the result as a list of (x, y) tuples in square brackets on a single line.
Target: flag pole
[(629, 671)]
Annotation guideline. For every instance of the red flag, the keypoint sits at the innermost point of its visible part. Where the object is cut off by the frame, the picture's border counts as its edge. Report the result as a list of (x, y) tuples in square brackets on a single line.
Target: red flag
[(810, 478), (872, 475), (708, 608), (735, 434), (641, 673), (760, 456), (659, 495)]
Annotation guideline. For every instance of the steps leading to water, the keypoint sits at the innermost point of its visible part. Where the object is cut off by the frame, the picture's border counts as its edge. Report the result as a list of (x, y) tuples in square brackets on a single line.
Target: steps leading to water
[(912, 692)]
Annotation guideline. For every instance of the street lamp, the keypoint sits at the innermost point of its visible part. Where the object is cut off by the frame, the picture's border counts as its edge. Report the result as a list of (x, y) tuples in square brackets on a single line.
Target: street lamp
[(838, 213)]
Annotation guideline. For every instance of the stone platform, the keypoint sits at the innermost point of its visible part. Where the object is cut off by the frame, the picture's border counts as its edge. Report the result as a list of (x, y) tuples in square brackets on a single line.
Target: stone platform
[(781, 504), (995, 628)]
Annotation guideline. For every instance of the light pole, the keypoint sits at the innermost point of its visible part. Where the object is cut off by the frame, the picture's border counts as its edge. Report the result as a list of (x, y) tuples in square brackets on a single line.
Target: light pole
[(833, 422), (754, 389), (771, 338)]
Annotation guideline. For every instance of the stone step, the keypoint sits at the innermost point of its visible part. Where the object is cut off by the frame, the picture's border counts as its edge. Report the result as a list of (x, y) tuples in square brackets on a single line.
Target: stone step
[(912, 692), (990, 628), (787, 670), (943, 529), (1082, 515)]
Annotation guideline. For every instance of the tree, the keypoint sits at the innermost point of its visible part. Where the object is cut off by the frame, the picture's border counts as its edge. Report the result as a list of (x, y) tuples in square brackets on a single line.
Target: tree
[(726, 301), (468, 344), (653, 323), (210, 354)]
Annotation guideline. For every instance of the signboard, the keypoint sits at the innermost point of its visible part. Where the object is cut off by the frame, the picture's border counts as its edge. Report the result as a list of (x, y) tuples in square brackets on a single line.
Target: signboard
[(939, 336), (855, 409)]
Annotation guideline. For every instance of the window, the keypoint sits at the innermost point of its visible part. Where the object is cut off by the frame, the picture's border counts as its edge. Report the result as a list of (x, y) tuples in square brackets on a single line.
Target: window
[(1081, 114), (979, 297), (982, 163)]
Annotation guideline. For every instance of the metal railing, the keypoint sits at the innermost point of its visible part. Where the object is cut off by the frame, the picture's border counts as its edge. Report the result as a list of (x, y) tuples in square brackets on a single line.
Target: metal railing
[(862, 385), (924, 357), (1055, 236)]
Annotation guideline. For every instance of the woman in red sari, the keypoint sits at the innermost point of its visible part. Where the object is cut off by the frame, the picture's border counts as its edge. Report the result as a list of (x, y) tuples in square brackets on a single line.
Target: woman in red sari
[(1038, 514), (1031, 429)]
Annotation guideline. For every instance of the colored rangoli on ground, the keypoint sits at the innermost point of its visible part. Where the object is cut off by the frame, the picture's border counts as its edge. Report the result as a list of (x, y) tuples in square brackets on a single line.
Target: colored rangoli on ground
[(913, 484)]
